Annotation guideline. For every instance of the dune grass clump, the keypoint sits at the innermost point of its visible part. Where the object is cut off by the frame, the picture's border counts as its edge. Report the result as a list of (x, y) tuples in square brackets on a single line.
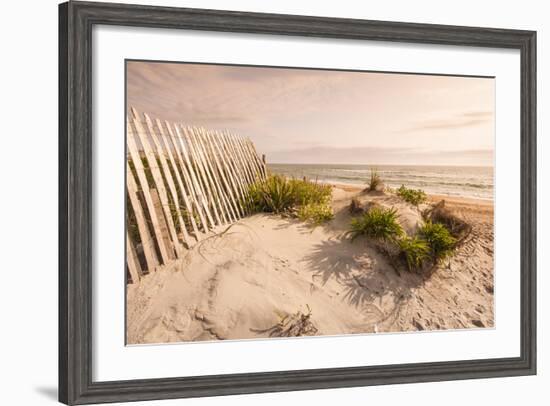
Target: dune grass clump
[(315, 213), (419, 253), (355, 207), (412, 196), (274, 195), (309, 201), (306, 192), (439, 213), (439, 239), (378, 224), (375, 180), (415, 251)]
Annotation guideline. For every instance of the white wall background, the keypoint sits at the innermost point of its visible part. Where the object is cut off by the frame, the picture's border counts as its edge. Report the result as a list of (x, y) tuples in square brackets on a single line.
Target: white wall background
[(28, 200)]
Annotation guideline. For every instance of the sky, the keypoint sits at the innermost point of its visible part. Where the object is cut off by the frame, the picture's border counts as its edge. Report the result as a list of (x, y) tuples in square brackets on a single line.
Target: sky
[(321, 116)]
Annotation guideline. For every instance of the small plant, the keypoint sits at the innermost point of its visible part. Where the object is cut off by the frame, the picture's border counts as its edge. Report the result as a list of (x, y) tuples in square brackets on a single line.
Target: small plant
[(356, 207), (315, 213), (375, 180), (274, 195), (414, 250), (310, 201), (377, 223), (292, 325), (439, 239), (412, 196), (308, 192), (439, 213)]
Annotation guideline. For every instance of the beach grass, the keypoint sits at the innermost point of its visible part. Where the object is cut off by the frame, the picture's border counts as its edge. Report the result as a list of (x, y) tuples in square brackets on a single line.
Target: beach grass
[(375, 180), (414, 250), (315, 213), (378, 224), (274, 195), (439, 239), (429, 244), (412, 196), (307, 200)]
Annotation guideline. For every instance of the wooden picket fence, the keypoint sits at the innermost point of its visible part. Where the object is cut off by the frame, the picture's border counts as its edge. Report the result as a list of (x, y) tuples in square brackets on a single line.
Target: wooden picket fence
[(183, 183)]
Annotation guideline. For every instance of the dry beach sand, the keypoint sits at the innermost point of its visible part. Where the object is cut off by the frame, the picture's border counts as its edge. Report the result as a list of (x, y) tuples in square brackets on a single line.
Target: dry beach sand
[(255, 278)]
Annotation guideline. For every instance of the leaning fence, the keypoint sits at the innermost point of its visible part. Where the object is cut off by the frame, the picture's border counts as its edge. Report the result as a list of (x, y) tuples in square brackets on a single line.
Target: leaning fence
[(182, 184)]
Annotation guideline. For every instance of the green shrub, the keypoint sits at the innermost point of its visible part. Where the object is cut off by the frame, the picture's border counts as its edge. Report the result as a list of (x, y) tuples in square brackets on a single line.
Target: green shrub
[(310, 201), (274, 195), (414, 250), (315, 213), (412, 196), (378, 224), (439, 239), (306, 192), (375, 180)]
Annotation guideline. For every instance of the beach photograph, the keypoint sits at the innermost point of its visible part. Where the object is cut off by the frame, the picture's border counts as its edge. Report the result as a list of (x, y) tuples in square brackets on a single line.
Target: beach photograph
[(281, 202)]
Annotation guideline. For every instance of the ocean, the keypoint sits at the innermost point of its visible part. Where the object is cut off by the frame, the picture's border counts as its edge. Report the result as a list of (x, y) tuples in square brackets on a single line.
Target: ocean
[(465, 181)]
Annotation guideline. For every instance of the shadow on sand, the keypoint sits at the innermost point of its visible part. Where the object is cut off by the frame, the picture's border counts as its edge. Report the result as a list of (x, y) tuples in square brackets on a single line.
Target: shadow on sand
[(364, 273)]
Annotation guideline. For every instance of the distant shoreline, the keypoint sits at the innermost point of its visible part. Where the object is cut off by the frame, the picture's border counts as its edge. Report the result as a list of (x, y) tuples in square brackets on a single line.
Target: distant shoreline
[(348, 187)]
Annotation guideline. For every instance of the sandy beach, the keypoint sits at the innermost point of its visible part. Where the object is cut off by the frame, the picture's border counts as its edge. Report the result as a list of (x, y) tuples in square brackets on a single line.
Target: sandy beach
[(243, 280)]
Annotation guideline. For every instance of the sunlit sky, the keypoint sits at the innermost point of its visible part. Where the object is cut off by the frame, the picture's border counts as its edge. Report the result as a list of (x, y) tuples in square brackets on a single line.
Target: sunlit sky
[(315, 116)]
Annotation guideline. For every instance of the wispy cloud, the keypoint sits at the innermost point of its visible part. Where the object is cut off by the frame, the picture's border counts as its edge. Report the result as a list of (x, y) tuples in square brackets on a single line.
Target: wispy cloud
[(462, 120), (479, 114)]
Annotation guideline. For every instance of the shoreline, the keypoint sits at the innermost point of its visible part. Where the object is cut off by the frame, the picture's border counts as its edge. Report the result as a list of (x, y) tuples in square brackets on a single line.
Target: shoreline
[(431, 197)]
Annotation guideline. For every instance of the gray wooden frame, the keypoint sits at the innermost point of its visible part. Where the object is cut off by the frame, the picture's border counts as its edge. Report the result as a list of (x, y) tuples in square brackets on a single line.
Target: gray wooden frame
[(76, 20)]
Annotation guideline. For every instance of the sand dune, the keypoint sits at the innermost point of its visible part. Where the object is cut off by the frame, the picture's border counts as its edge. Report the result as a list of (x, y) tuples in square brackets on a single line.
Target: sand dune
[(265, 272)]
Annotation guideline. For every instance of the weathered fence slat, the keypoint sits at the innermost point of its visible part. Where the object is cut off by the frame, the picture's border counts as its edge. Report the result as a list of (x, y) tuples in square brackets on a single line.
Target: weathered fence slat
[(222, 197), (248, 173), (221, 171), (251, 163), (164, 225), (230, 151), (255, 160), (217, 176), (187, 177), (182, 182), (195, 174), (159, 183), (168, 177), (260, 161), (188, 206), (200, 195), (142, 178), (216, 197), (147, 242), (233, 188), (132, 260), (197, 158), (232, 171)]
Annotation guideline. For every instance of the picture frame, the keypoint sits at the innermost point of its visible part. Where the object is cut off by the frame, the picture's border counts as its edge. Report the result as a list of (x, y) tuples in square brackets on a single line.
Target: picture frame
[(76, 20)]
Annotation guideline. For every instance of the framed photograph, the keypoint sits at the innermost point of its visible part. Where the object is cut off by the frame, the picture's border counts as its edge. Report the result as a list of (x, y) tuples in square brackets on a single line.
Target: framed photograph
[(259, 202)]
